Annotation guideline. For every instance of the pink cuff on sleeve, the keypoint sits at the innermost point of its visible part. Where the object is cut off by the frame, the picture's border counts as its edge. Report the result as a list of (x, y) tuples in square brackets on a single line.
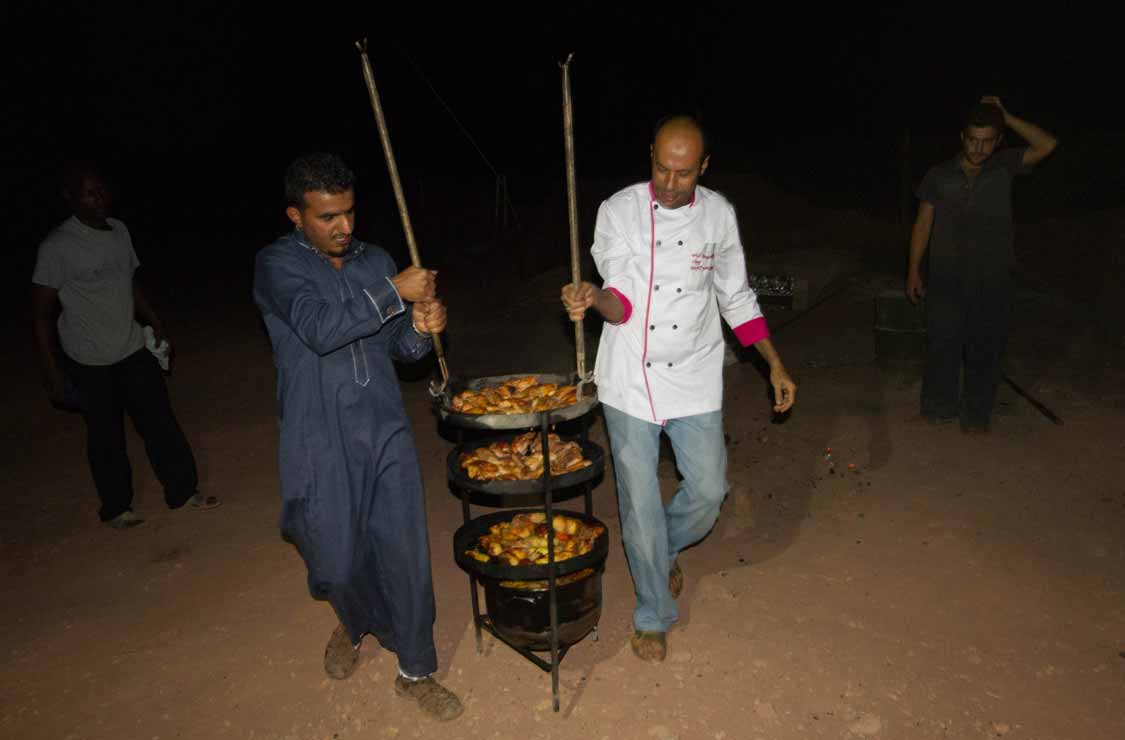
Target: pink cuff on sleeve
[(624, 302), (752, 331)]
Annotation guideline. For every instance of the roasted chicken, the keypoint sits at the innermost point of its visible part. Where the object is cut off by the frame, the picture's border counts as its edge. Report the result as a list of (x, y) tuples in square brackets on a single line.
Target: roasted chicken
[(522, 458), (523, 540), (524, 395)]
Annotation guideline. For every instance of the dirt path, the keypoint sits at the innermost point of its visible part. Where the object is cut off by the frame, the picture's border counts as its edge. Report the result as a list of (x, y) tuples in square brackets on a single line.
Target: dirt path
[(947, 588)]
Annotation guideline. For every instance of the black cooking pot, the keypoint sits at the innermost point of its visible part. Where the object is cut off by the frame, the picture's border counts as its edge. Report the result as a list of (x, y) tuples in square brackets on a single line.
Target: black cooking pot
[(522, 616)]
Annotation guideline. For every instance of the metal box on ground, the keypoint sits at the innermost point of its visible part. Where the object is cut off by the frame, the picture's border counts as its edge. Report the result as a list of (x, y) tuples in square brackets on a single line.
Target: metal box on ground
[(900, 330), (784, 291)]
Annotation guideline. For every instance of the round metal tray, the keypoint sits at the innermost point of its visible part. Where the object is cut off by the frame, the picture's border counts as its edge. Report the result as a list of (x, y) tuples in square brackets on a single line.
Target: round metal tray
[(460, 478), (467, 537), (513, 421)]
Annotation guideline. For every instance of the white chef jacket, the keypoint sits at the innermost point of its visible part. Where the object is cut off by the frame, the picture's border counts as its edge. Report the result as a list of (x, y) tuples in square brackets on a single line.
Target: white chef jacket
[(676, 272)]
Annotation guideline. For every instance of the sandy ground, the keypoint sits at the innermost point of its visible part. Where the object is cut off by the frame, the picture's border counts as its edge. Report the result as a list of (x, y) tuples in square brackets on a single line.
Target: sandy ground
[(948, 587)]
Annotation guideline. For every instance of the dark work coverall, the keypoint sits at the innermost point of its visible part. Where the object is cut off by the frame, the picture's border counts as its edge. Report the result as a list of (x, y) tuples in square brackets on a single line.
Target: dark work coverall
[(969, 292), (351, 486)]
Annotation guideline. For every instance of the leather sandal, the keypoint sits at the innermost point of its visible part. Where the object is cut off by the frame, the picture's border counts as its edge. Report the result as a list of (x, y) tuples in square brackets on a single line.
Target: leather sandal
[(649, 646)]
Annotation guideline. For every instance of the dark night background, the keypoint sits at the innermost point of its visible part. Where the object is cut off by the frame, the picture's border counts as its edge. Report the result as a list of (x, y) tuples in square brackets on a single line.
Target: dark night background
[(196, 108)]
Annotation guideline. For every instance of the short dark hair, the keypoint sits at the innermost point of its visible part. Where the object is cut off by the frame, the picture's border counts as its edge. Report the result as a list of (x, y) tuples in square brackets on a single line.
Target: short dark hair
[(318, 172), (984, 115), (685, 118)]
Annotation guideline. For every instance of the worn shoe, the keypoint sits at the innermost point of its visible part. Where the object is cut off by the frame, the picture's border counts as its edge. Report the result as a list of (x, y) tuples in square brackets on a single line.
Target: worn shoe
[(433, 698), (125, 520), (676, 579), (930, 420), (202, 503), (651, 647), (341, 656), (975, 430)]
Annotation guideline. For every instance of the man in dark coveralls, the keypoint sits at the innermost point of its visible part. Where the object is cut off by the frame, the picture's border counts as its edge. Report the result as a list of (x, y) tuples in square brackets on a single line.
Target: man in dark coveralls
[(965, 223), (338, 312)]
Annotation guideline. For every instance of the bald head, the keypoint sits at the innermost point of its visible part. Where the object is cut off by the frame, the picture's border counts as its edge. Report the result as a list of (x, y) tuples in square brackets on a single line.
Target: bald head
[(679, 157), (681, 127)]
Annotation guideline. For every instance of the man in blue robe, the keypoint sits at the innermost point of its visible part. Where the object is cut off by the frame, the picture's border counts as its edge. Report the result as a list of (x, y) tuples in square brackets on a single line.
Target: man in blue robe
[(338, 314)]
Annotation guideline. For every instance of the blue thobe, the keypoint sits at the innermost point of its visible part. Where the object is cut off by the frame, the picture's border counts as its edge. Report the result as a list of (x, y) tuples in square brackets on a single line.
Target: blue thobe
[(351, 486)]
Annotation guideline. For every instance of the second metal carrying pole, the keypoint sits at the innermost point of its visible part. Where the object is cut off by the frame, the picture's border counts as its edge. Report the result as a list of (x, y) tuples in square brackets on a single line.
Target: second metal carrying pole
[(572, 207)]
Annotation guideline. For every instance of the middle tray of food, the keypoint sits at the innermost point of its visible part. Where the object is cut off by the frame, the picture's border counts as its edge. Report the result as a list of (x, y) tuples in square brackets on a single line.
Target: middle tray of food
[(515, 464)]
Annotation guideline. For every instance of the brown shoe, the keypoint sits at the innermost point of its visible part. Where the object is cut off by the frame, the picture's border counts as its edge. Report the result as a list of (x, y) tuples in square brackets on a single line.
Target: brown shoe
[(341, 656), (676, 579), (433, 698), (651, 647)]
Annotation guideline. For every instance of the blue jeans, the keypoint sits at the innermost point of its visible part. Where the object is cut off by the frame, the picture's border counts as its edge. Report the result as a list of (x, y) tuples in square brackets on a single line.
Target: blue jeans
[(654, 534)]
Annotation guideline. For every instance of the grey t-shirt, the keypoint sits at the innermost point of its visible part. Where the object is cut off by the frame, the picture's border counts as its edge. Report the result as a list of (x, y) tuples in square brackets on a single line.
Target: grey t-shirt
[(973, 232), (93, 272)]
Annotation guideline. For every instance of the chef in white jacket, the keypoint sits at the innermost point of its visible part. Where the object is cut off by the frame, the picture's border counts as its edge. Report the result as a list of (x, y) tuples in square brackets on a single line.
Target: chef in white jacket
[(672, 264)]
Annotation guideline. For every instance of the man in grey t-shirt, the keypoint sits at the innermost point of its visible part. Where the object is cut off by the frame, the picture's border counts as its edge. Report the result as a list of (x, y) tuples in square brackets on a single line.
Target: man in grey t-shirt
[(965, 223), (86, 267)]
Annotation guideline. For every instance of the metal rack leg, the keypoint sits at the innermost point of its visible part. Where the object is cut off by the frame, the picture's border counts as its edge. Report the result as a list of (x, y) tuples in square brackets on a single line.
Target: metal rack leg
[(476, 611), (554, 638), (554, 675), (585, 436), (552, 586), (466, 513)]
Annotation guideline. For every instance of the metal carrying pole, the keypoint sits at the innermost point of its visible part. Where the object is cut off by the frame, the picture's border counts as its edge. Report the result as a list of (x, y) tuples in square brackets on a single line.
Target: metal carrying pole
[(400, 198), (1051, 415), (572, 207)]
